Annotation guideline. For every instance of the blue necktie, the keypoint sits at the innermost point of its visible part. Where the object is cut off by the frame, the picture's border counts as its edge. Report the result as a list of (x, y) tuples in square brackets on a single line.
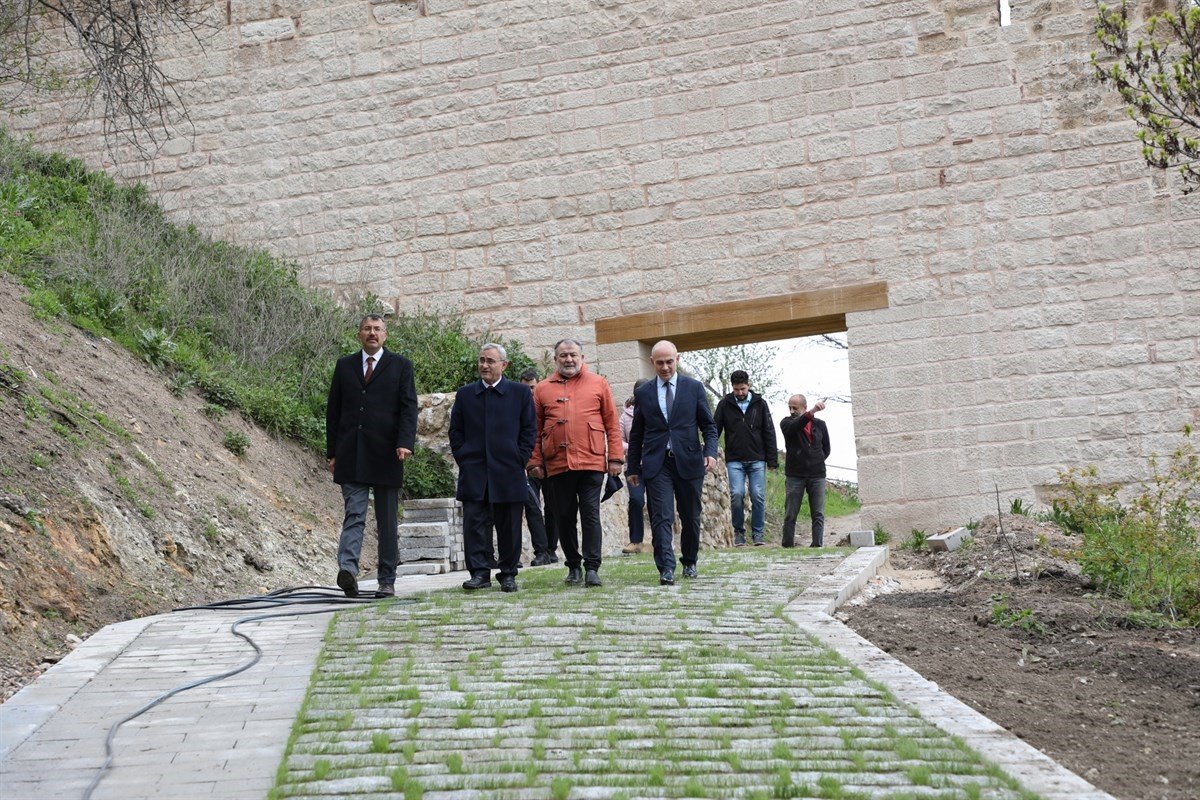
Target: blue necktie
[(670, 399)]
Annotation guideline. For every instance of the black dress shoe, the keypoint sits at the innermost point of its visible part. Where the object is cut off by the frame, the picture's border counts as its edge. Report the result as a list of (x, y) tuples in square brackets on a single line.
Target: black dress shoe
[(479, 580), (347, 583), (574, 576), (385, 590), (592, 578), (508, 584), (666, 577), (689, 571)]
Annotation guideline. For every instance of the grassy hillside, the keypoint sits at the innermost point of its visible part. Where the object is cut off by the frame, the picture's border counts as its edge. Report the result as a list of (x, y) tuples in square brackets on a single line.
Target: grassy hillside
[(233, 322)]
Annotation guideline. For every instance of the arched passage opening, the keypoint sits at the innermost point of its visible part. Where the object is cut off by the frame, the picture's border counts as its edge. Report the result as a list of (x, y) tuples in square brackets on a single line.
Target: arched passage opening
[(762, 320), (746, 321)]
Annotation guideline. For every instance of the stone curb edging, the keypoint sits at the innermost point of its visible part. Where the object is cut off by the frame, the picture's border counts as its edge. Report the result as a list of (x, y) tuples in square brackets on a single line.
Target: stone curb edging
[(812, 613)]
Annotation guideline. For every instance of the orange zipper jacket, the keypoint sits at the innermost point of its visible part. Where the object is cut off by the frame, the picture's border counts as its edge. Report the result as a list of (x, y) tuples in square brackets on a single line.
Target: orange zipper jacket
[(577, 422)]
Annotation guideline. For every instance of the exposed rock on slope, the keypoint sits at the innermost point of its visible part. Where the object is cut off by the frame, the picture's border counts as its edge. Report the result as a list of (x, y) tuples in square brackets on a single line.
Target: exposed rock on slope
[(118, 498)]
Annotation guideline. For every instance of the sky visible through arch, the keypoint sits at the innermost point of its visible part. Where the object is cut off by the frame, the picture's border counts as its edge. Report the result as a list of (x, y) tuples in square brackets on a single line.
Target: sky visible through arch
[(807, 367)]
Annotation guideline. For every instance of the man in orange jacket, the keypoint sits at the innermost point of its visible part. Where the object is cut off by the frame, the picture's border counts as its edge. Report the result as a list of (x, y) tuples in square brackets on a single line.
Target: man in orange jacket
[(578, 443)]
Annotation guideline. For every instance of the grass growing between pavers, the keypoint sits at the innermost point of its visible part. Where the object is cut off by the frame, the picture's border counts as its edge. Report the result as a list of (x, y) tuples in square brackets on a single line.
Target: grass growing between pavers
[(627, 691)]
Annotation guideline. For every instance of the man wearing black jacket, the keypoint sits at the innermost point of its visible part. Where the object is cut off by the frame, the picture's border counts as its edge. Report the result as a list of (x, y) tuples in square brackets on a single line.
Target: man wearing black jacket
[(807, 441), (370, 429), (749, 451)]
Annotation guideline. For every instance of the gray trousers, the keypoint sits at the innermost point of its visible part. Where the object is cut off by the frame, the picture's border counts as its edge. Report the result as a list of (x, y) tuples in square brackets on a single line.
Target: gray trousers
[(796, 487), (356, 496)]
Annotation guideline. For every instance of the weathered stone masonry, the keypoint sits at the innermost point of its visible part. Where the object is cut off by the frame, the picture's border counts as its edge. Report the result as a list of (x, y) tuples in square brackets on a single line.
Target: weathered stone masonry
[(546, 163)]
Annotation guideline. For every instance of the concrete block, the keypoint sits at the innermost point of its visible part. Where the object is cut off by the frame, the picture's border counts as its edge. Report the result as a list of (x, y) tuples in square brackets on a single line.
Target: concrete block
[(949, 541), (862, 538), (423, 568)]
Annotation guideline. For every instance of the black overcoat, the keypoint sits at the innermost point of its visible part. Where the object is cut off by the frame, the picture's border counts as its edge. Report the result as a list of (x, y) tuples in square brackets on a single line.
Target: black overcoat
[(366, 422), (492, 438)]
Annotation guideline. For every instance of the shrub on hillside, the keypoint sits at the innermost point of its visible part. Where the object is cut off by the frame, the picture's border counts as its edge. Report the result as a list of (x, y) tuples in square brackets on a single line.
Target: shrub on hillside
[(1147, 551), (426, 475)]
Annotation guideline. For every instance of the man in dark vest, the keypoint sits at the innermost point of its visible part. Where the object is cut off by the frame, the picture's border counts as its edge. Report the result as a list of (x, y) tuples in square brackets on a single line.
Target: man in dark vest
[(807, 441), (492, 430), (370, 429)]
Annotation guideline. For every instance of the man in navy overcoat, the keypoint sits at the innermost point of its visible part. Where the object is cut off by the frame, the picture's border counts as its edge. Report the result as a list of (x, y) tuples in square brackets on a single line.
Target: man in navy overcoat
[(492, 429), (370, 429), (670, 415)]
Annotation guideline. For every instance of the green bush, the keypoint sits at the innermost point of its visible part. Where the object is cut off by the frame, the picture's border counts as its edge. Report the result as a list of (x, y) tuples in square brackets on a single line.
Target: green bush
[(917, 541), (426, 475), (237, 443), (1147, 551)]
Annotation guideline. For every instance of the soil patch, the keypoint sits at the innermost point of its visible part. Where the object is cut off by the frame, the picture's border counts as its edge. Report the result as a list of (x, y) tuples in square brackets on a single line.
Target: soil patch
[(1063, 667)]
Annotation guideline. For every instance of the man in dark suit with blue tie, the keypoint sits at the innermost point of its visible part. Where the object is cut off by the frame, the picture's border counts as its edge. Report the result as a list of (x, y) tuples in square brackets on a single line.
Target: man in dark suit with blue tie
[(370, 429), (669, 418), (492, 430)]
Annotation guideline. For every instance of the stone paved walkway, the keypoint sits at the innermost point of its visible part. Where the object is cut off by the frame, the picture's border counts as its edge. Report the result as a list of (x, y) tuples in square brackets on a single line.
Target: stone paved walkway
[(712, 688)]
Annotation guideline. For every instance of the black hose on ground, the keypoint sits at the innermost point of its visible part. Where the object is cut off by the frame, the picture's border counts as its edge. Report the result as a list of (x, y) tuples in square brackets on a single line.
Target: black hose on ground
[(331, 599)]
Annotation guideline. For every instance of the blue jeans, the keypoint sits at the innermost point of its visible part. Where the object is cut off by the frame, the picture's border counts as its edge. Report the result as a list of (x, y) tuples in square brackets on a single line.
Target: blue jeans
[(756, 473), (796, 487)]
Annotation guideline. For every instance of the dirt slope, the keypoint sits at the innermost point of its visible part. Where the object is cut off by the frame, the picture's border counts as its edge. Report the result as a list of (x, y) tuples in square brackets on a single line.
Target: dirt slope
[(118, 498), (1060, 665)]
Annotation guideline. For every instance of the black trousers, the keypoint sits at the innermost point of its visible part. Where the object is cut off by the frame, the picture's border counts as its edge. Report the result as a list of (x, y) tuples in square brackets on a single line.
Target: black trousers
[(571, 492), (666, 492), (479, 518), (541, 523)]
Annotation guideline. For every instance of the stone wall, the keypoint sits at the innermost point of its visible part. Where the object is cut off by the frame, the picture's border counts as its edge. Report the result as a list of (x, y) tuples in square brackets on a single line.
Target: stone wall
[(543, 165)]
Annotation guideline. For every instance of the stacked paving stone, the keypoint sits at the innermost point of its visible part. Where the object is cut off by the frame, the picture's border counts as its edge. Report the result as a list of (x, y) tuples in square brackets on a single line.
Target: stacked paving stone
[(431, 538), (633, 690)]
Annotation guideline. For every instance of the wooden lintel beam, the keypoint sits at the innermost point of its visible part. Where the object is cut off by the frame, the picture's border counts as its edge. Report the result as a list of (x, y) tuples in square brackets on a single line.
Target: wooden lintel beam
[(743, 321), (727, 337)]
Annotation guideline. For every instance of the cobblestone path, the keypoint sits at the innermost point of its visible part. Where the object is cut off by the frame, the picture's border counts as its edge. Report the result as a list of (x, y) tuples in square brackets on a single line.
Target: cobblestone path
[(631, 690)]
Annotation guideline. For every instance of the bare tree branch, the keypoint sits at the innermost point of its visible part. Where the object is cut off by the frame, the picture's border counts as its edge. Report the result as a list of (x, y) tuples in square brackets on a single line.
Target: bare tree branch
[(712, 367), (119, 72)]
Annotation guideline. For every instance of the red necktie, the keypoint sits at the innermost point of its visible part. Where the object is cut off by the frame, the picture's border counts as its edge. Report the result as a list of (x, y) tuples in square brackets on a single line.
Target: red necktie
[(370, 369)]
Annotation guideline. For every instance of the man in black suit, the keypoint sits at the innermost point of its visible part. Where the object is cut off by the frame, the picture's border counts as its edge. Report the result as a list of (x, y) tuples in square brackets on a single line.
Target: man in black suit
[(492, 429), (670, 416), (370, 429)]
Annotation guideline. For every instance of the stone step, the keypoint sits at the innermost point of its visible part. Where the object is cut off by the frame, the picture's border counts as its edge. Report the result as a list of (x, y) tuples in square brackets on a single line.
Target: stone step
[(409, 554), (421, 568), (421, 530)]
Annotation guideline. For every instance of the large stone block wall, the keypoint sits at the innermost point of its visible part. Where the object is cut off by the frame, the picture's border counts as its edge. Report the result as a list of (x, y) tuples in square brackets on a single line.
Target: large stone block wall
[(545, 164)]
